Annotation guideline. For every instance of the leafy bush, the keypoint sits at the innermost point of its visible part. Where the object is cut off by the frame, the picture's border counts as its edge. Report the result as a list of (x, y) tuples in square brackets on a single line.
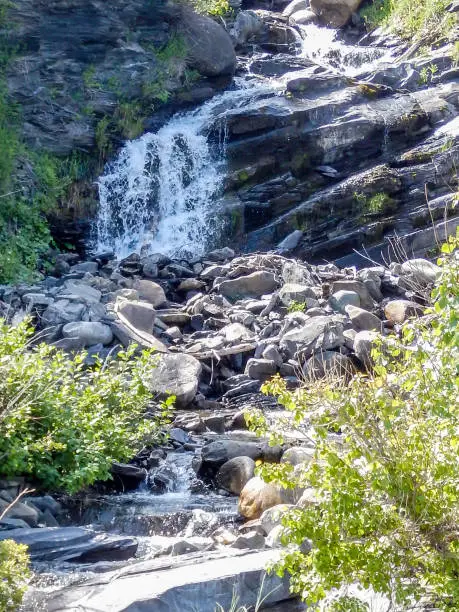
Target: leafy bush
[(62, 423), (411, 19), (216, 8), (13, 574), (387, 510)]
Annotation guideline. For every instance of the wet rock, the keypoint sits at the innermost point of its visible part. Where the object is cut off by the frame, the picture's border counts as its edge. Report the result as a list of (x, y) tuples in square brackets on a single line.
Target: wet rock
[(72, 544), (179, 435), (151, 292), (246, 25), (304, 17), (362, 320), (47, 502), (398, 311), (235, 473), (177, 374), (221, 451), (294, 6), (126, 476), (88, 333), (225, 253), (257, 496), (252, 285), (291, 241), (260, 369)]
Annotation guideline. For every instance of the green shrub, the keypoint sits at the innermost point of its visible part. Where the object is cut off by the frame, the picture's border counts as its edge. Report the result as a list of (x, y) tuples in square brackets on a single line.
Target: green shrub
[(216, 8), (13, 574), (63, 424), (296, 306), (387, 511)]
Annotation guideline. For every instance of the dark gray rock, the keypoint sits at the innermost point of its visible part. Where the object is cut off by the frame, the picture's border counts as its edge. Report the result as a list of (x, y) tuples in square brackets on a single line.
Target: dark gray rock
[(235, 473), (72, 544), (126, 476)]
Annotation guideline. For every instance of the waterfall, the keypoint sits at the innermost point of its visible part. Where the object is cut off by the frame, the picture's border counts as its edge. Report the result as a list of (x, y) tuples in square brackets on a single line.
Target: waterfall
[(160, 194)]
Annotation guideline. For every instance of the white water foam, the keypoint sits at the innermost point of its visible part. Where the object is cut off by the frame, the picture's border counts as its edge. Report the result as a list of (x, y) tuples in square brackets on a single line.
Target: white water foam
[(160, 193)]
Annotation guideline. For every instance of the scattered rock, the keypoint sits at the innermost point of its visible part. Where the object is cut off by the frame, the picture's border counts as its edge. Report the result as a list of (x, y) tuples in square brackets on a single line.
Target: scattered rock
[(362, 320), (88, 333), (177, 374), (252, 285)]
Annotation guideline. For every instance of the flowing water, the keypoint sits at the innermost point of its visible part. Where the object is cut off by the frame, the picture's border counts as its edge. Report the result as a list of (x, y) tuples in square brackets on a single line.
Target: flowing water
[(162, 191)]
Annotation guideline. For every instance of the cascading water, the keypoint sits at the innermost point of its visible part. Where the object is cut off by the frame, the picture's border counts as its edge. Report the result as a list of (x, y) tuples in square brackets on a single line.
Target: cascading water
[(162, 191)]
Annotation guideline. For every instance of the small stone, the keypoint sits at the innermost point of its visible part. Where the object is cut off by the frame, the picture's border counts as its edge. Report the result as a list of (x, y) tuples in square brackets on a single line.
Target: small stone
[(339, 300)]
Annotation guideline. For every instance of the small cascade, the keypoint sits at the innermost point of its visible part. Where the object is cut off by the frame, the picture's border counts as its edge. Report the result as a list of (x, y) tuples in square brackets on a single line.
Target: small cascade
[(322, 45), (159, 195)]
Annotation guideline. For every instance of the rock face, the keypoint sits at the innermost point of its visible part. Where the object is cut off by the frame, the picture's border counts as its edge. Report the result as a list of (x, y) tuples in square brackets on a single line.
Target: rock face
[(177, 375), (335, 13)]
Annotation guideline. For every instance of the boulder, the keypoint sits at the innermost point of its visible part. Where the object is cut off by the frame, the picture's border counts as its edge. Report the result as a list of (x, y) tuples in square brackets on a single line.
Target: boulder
[(22, 511), (235, 473), (303, 17), (252, 285), (339, 300), (257, 496), (334, 13), (177, 374), (151, 292), (222, 451), (293, 7), (247, 24), (61, 312), (81, 291), (210, 50), (260, 369), (328, 364), (224, 253), (362, 320), (295, 292), (88, 333), (420, 271), (127, 476), (321, 332), (138, 315), (398, 311), (356, 286), (72, 544)]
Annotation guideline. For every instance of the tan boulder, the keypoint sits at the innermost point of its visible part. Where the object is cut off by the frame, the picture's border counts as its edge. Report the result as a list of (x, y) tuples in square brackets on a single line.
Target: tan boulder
[(257, 496)]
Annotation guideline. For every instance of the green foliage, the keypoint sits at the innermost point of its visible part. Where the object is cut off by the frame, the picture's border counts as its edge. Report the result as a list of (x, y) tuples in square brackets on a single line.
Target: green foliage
[(89, 78), (216, 8), (427, 73), (14, 573), (62, 423), (296, 306), (377, 204), (411, 19), (387, 510)]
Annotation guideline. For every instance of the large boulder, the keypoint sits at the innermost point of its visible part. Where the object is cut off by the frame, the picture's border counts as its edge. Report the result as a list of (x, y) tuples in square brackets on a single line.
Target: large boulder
[(126, 476), (210, 50), (222, 451), (260, 369), (88, 333), (139, 315), (252, 285), (235, 474), (321, 332), (420, 271), (247, 24), (335, 13), (177, 374), (362, 320), (257, 496)]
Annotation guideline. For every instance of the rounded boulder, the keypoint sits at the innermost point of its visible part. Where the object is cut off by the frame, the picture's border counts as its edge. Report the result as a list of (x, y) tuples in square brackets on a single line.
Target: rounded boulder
[(235, 474)]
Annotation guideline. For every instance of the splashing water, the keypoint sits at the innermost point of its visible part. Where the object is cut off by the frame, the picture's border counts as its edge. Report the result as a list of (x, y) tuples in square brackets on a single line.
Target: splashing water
[(322, 46), (161, 191)]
